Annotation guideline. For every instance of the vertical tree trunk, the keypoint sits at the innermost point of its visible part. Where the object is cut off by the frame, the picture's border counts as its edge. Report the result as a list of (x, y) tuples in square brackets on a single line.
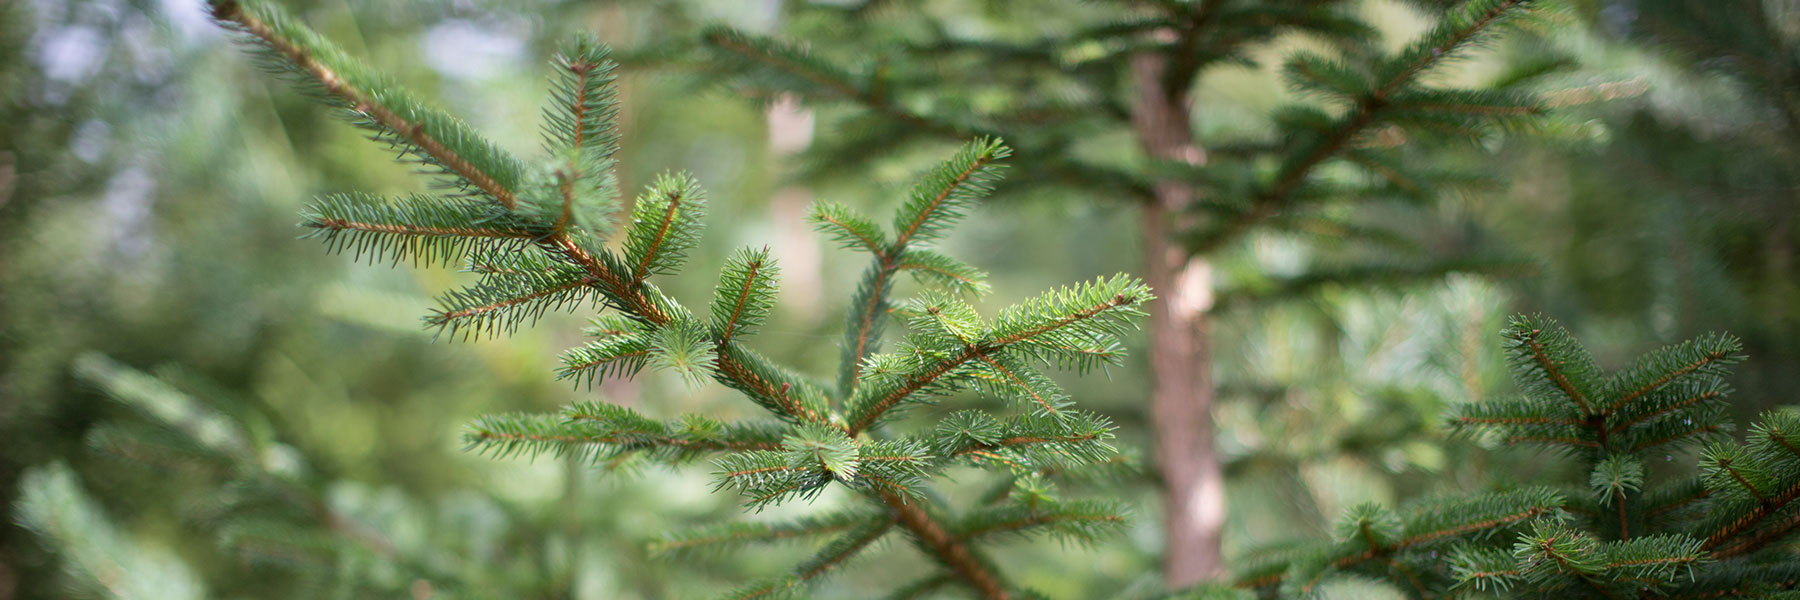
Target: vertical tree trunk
[(1181, 396), (795, 246)]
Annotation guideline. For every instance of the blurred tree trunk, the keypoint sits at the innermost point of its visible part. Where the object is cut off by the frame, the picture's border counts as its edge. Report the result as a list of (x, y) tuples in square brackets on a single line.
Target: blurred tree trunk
[(1180, 344), (795, 245)]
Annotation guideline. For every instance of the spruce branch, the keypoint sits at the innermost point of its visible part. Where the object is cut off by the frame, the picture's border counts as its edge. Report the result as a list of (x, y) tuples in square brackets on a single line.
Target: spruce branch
[(849, 229), (1465, 26), (791, 68), (373, 99), (864, 323), (561, 209), (686, 347), (1039, 328), (1672, 395), (730, 536), (834, 554), (583, 110), (940, 199), (665, 224), (416, 228), (1005, 377), (957, 555), (508, 435), (1753, 489), (1707, 357), (521, 289), (431, 135), (1369, 535), (1083, 522), (745, 294), (944, 195), (616, 356), (598, 431), (943, 270)]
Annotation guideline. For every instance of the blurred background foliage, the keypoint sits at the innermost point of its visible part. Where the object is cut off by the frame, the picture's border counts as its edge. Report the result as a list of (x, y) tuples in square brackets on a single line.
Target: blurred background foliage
[(150, 176)]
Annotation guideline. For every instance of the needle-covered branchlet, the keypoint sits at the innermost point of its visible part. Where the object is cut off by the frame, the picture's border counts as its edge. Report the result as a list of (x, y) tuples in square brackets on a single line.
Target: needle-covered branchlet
[(535, 237)]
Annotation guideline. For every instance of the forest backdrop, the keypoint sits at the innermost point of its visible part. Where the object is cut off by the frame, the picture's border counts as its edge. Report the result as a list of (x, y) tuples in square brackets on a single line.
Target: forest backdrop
[(150, 177)]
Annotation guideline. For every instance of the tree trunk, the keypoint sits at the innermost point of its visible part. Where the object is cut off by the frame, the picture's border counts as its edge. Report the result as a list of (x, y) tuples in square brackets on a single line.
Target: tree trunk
[(1181, 396), (795, 245)]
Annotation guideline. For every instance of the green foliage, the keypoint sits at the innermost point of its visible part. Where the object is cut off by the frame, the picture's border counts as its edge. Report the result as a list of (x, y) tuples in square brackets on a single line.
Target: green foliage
[(420, 229), (1062, 89), (515, 289), (258, 501), (943, 196), (1675, 395), (1630, 530), (665, 224), (99, 559), (745, 294), (818, 439), (372, 101)]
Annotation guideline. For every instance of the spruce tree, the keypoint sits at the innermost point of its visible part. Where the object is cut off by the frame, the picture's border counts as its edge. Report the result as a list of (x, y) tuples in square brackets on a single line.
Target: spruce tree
[(1624, 521), (1364, 136), (536, 236)]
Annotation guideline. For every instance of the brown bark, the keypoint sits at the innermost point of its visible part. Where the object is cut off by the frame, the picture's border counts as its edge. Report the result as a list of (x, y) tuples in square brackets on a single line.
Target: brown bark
[(1181, 396), (954, 553)]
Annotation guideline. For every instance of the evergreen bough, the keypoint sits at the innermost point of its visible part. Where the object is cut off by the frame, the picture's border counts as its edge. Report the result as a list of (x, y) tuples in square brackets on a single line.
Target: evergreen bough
[(1631, 525), (536, 236)]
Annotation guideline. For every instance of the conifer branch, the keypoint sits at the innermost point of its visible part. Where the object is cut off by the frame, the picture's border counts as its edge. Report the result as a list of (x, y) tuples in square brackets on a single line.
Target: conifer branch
[(952, 274), (1763, 509), (789, 396), (321, 63), (1083, 521), (940, 198), (835, 554), (419, 230), (947, 192), (1675, 406), (745, 294), (1553, 369), (866, 410), (954, 553), (583, 114), (484, 307), (848, 228), (306, 52), (1683, 435), (1043, 402), (795, 62), (425, 229), (1712, 357), (732, 535), (621, 355), (868, 311), (665, 224), (1368, 110), (565, 206)]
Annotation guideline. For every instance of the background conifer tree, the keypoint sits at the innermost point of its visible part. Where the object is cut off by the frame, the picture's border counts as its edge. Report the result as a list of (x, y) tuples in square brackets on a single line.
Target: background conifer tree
[(1623, 521), (1102, 71), (1687, 80)]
